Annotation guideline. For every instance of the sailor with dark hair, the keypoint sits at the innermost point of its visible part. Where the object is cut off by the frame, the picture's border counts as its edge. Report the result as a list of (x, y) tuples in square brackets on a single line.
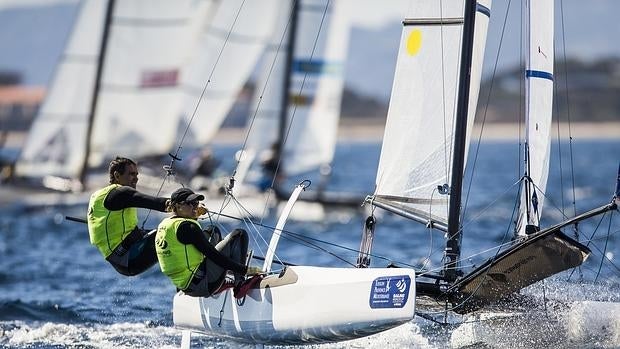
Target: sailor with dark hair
[(197, 261), (113, 220)]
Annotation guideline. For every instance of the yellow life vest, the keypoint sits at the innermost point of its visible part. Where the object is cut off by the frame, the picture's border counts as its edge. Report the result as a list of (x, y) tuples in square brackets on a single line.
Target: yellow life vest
[(108, 228), (178, 261)]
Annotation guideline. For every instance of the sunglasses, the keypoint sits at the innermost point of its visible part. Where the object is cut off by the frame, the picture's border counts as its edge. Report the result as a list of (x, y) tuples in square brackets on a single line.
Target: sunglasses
[(191, 203)]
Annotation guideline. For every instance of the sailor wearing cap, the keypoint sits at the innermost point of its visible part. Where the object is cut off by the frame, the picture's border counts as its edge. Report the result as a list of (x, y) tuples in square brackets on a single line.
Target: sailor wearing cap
[(196, 261)]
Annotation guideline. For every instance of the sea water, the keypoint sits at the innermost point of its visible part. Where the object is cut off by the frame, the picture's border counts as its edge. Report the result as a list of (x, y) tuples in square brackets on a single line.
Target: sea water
[(57, 292)]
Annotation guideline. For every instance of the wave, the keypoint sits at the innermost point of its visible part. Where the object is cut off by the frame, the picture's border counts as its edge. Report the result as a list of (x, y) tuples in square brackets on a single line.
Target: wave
[(121, 335), (18, 310)]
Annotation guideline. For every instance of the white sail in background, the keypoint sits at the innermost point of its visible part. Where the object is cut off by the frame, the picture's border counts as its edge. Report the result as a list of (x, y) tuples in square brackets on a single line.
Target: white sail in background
[(139, 100), (57, 139), (314, 111), (539, 100), (141, 94), (4, 4), (416, 155), (318, 81), (230, 49), (265, 111)]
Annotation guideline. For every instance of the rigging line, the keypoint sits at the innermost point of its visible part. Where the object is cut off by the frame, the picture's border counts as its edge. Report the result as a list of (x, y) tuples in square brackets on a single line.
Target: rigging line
[(258, 105), (521, 115), (161, 187), (497, 247), (430, 231), (590, 242), (264, 88), (474, 219), (239, 207), (558, 122), (255, 234), (492, 203), (439, 268), (570, 136), (308, 241), (604, 252), (549, 200), (486, 109), (611, 233), (447, 155), (317, 247), (300, 237), (559, 136), (174, 156)]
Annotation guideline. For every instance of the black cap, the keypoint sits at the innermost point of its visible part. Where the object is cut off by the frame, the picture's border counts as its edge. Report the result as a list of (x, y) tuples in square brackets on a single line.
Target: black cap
[(185, 195)]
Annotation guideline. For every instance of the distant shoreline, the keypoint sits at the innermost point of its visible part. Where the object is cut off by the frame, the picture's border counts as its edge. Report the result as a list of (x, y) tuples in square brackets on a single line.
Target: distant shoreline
[(365, 131), (372, 131)]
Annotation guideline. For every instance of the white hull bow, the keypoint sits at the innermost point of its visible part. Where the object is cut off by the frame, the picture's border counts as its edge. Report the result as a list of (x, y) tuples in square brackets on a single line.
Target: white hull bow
[(305, 305)]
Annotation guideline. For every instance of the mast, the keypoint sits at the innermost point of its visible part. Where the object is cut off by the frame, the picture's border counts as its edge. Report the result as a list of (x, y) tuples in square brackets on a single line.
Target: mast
[(97, 85), (453, 243), (290, 55)]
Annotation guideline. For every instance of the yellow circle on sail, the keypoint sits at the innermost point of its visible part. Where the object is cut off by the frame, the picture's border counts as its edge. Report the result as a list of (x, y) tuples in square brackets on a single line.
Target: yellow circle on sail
[(414, 42)]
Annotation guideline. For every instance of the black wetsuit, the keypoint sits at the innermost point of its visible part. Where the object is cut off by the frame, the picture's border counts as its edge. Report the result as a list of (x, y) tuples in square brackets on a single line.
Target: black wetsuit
[(138, 245), (190, 233)]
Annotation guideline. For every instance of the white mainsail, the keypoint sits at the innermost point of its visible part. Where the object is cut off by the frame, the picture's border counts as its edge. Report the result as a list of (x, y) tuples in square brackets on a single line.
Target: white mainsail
[(539, 101), (141, 94), (57, 138), (416, 155)]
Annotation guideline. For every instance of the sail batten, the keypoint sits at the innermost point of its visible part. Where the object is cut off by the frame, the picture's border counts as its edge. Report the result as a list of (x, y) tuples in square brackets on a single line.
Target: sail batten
[(423, 217), (433, 21)]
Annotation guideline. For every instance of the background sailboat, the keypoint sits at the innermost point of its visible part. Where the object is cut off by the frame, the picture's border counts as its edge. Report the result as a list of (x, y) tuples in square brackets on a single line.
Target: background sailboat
[(297, 104), (133, 76)]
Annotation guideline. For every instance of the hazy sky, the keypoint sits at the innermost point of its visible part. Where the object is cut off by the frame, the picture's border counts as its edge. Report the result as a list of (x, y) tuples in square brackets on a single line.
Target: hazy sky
[(590, 31), (591, 28)]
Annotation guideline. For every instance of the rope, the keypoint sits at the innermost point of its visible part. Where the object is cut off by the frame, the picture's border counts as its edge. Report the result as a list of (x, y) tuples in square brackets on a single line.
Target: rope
[(570, 136), (169, 169)]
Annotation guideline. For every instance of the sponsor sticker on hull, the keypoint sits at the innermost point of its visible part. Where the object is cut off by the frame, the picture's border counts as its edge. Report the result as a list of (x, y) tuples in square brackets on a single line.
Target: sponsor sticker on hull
[(390, 291)]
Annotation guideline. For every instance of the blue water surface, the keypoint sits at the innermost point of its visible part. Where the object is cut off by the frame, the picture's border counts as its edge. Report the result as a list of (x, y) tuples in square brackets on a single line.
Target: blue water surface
[(57, 292)]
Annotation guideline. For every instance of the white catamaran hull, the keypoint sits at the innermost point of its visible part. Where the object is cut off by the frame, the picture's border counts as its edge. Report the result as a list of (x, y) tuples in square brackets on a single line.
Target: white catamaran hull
[(305, 305)]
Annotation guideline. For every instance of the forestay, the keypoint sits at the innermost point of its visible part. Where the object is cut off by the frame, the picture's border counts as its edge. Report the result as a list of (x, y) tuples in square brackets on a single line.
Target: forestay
[(416, 156)]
